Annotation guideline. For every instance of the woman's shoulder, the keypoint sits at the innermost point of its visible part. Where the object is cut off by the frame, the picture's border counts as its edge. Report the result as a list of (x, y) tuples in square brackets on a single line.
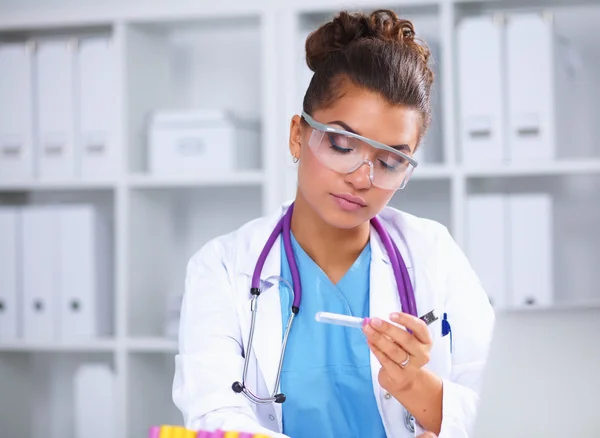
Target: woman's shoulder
[(237, 243), (413, 227)]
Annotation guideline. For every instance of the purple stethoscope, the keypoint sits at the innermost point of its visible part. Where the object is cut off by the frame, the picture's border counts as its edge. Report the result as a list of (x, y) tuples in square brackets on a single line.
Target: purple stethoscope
[(405, 291)]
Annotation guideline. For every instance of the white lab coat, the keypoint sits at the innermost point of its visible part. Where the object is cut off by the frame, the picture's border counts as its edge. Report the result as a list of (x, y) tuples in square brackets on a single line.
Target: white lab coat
[(215, 322)]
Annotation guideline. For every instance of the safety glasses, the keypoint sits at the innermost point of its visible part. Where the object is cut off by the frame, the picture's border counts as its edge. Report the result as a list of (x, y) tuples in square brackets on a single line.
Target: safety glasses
[(344, 152)]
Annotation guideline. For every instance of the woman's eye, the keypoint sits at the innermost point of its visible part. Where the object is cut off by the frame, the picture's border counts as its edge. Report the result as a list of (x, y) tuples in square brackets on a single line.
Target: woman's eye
[(392, 163), (339, 143)]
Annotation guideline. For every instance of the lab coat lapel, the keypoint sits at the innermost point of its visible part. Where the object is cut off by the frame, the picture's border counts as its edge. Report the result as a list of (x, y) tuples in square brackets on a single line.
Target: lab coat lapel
[(268, 327), (384, 299), (383, 294)]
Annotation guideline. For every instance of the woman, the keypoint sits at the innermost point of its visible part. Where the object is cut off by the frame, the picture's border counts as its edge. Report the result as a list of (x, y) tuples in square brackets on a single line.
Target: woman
[(364, 113)]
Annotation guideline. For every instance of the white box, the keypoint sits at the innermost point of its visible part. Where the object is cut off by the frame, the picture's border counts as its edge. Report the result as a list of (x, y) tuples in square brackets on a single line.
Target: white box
[(54, 75), (531, 70), (192, 142), (96, 90), (531, 249), (39, 271), (84, 275), (480, 71), (16, 112), (94, 400), (486, 245), (9, 274)]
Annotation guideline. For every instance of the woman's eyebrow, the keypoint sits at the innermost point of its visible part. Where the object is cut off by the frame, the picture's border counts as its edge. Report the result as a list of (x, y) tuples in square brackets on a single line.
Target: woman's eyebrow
[(401, 147)]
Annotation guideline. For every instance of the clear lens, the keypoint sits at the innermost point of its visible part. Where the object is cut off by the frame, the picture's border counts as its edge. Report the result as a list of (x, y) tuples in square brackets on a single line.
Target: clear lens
[(345, 154)]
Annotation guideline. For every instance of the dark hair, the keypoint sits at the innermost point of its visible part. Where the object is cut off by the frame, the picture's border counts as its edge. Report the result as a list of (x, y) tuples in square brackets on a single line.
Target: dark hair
[(377, 52)]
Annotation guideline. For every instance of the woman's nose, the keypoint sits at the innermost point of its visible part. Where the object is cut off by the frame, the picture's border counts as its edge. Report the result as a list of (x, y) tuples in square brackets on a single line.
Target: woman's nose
[(361, 177)]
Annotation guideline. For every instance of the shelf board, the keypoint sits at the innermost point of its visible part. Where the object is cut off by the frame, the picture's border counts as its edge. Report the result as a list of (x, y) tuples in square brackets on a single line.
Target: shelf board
[(93, 346), (566, 167), (142, 181), (39, 185), (152, 345)]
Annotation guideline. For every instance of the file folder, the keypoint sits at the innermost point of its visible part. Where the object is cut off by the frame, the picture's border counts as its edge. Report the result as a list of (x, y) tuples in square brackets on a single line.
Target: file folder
[(54, 75), (9, 276), (480, 72), (487, 235), (84, 296), (96, 91), (531, 261), (94, 415), (16, 112), (531, 88), (39, 267)]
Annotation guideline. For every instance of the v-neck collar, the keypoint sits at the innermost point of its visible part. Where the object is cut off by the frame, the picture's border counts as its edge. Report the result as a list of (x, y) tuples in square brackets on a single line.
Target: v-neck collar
[(306, 258)]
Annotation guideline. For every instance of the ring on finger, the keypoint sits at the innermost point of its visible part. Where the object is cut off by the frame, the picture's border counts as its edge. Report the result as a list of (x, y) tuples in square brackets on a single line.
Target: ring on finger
[(404, 363)]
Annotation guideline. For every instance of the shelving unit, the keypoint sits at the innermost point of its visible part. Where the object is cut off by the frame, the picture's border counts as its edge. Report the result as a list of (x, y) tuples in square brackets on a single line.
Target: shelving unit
[(248, 56)]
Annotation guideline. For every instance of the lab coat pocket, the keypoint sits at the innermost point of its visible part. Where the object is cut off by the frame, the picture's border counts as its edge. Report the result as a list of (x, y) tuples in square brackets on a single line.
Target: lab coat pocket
[(440, 362)]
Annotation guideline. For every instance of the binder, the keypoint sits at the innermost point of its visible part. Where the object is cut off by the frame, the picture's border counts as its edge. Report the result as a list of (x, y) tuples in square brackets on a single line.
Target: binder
[(96, 90), (54, 74), (39, 268), (530, 239), (84, 300), (486, 244), (480, 72), (94, 401), (531, 87), (16, 112), (9, 281)]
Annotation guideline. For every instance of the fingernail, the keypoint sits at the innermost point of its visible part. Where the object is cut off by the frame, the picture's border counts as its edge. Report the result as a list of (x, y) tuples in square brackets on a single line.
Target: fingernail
[(368, 329), (376, 322), (395, 315)]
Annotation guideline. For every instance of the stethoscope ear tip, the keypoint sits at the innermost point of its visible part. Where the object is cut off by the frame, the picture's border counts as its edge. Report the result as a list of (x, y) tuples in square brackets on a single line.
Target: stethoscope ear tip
[(279, 398)]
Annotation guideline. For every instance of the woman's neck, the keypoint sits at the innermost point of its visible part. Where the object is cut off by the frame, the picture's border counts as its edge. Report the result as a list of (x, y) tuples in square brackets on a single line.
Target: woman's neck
[(335, 250)]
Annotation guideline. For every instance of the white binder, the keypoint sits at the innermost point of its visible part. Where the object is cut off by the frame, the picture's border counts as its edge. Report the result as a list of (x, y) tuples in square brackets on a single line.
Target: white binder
[(486, 244), (96, 90), (84, 304), (55, 109), (39, 268), (16, 107), (531, 88), (9, 278), (94, 401), (531, 261), (480, 71)]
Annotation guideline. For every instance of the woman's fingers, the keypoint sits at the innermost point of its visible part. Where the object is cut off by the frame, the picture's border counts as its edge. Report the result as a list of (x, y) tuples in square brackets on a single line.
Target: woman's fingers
[(417, 326), (427, 435), (387, 344)]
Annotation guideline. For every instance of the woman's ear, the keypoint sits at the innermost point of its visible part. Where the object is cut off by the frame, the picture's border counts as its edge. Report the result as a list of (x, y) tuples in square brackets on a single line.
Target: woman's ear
[(296, 136)]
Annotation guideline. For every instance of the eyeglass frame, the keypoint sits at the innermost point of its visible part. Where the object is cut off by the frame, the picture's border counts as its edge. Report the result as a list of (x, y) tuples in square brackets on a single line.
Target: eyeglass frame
[(326, 128)]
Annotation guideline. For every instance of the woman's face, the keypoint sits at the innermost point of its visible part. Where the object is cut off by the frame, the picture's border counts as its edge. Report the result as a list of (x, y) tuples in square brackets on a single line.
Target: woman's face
[(327, 191)]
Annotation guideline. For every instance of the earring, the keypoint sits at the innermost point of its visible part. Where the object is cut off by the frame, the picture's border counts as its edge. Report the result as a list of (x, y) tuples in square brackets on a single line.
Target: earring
[(295, 159)]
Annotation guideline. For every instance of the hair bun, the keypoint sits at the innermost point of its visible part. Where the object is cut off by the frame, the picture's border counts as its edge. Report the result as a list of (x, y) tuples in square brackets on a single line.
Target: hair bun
[(347, 28)]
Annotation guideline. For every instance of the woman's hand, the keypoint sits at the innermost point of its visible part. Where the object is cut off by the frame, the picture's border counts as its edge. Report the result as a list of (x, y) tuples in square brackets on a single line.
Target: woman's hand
[(400, 353), (427, 435)]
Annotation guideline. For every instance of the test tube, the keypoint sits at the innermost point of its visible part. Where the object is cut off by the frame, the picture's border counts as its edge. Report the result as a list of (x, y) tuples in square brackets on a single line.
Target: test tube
[(204, 434), (339, 319), (154, 432)]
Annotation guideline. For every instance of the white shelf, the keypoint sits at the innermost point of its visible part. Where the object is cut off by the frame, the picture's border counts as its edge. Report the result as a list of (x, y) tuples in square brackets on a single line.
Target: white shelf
[(37, 185), (93, 346), (567, 167), (250, 178), (151, 345)]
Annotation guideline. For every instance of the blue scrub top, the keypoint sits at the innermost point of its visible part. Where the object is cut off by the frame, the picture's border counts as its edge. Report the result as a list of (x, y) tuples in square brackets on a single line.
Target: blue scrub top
[(326, 375)]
